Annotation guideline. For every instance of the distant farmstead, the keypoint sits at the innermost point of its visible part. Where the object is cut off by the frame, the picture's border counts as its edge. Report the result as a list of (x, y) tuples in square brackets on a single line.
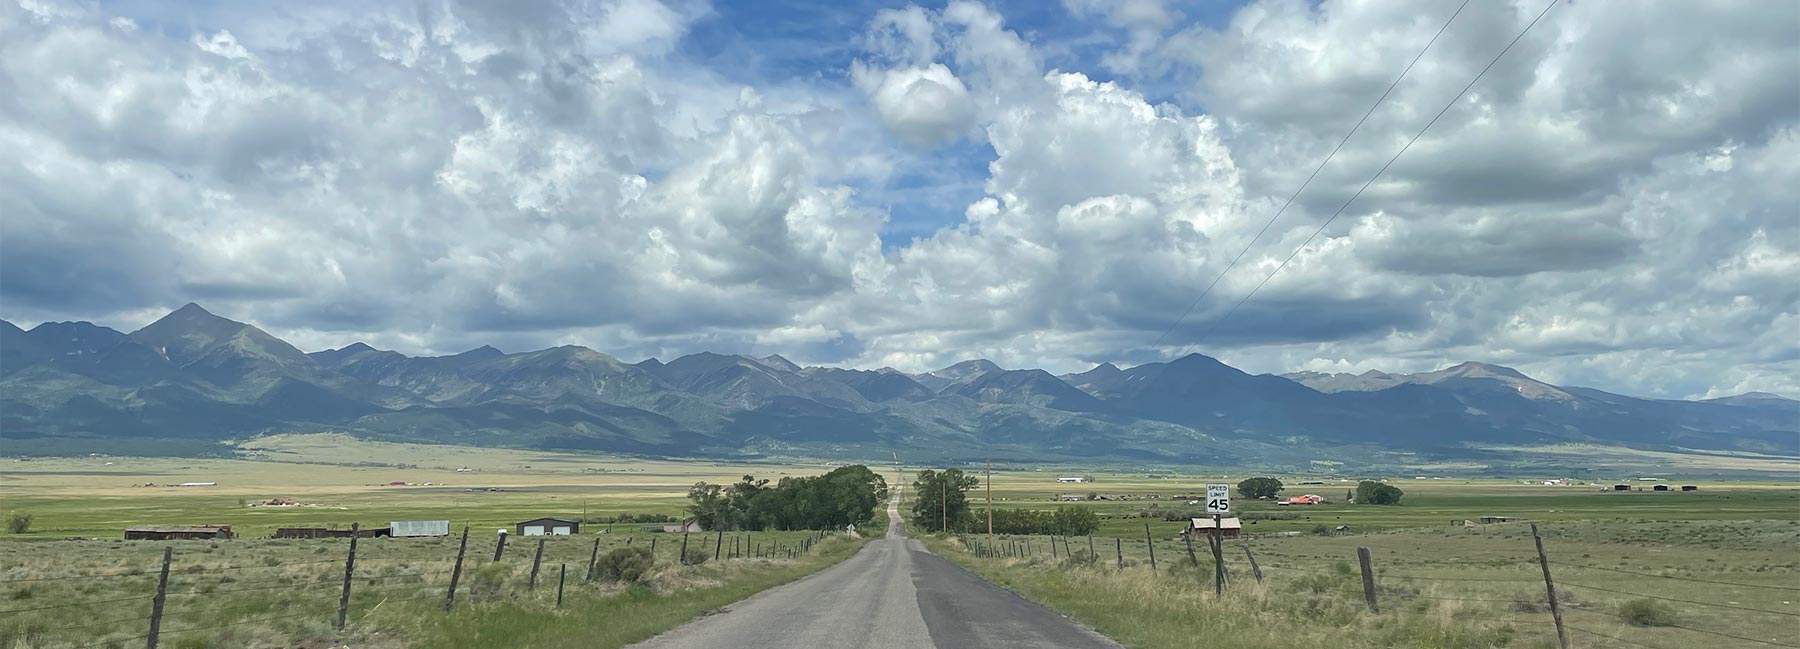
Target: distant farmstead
[(177, 533), (328, 533), (1072, 497), (690, 526), (549, 527), (1071, 480)]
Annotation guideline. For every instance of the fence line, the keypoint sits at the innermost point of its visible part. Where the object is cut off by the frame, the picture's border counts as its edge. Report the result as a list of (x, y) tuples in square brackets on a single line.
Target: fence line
[(1692, 579)]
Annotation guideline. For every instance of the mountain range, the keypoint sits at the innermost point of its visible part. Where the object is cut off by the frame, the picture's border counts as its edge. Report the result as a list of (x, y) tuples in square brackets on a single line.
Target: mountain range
[(194, 377)]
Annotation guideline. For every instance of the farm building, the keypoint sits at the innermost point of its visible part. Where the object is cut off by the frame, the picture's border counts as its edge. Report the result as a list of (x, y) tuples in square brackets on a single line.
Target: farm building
[(1072, 497), (327, 533), (1496, 519), (1689, 487), (419, 528), (1071, 480), (1621, 487), (1660, 487), (1229, 527), (549, 526), (690, 526), (175, 533)]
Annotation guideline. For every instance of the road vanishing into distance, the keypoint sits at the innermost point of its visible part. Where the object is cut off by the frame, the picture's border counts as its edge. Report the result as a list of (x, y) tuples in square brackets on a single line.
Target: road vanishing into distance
[(892, 593)]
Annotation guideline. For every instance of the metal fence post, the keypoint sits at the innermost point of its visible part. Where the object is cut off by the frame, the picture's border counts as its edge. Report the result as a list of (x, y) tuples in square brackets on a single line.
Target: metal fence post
[(162, 594), (349, 568), (456, 573)]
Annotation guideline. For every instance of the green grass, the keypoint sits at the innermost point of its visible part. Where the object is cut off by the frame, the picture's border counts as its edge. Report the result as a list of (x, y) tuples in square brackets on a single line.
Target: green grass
[(276, 593)]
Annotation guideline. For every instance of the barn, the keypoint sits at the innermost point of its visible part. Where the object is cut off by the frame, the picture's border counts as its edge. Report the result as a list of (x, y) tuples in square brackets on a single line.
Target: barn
[(327, 533), (1689, 487), (1660, 487), (175, 533), (1229, 528), (549, 526)]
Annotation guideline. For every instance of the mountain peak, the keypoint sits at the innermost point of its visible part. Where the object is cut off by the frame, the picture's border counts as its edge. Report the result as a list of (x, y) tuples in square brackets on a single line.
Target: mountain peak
[(1475, 369), (777, 362), (357, 346)]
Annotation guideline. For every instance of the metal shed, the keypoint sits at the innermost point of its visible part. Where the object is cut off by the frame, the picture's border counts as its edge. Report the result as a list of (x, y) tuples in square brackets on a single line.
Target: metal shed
[(419, 528), (549, 526)]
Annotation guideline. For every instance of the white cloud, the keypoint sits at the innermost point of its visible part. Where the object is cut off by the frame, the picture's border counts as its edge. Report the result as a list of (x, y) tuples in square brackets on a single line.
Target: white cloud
[(1613, 205)]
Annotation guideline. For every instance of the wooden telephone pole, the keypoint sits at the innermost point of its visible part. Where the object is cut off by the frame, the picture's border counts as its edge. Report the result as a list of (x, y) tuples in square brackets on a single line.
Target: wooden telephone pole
[(990, 501)]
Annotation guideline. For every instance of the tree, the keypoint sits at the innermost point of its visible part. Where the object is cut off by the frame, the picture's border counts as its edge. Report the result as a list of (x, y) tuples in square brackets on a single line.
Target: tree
[(18, 523), (1073, 520), (1370, 492), (940, 499), (1259, 488), (710, 507)]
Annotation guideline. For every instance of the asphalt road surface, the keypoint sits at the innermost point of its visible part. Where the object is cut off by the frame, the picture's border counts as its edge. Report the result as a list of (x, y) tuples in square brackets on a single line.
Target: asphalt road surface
[(893, 593)]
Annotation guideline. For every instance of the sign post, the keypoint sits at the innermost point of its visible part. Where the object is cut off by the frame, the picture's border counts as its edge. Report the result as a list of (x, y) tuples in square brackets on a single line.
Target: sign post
[(1218, 503)]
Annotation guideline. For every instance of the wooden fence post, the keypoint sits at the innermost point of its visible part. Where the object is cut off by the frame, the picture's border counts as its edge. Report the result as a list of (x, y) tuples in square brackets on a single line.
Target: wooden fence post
[(1562, 637), (684, 539), (1255, 570), (1150, 545), (349, 568), (1119, 549), (456, 573), (1053, 546), (1218, 548), (1192, 560), (500, 548), (1092, 558), (593, 559), (1368, 578), (535, 560), (718, 546), (562, 572), (162, 594)]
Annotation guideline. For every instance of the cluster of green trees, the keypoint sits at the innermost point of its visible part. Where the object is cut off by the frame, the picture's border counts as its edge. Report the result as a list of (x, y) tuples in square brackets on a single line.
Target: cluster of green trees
[(1259, 488), (845, 496), (1067, 520), (1370, 492)]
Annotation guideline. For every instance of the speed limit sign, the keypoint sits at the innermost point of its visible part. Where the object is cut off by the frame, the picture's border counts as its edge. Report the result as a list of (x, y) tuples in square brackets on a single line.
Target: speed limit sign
[(1218, 498)]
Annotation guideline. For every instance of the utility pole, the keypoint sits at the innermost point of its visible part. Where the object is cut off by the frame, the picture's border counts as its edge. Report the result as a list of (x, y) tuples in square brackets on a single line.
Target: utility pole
[(943, 503), (990, 501)]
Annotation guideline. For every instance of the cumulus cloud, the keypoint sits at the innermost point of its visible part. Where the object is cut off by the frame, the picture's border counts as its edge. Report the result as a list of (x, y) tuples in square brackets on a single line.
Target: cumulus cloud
[(1613, 205)]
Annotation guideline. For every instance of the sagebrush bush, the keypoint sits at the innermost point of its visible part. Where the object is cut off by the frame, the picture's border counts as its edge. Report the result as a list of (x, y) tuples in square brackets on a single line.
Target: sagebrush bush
[(695, 556), (627, 564), (1647, 612)]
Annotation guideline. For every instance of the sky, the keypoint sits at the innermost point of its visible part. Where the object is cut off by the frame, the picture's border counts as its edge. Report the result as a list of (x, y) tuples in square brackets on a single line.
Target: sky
[(1615, 203)]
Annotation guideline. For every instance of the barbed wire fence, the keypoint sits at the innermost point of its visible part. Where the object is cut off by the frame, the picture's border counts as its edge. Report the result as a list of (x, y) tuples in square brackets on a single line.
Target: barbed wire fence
[(1377, 585)]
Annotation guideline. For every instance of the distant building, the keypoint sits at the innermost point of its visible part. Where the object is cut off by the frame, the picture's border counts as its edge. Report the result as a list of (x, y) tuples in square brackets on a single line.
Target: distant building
[(1072, 480), (174, 533), (549, 527), (1689, 487), (1660, 487), (1229, 527), (1621, 487), (1072, 497), (198, 484), (419, 528), (1496, 519), (690, 526), (328, 533)]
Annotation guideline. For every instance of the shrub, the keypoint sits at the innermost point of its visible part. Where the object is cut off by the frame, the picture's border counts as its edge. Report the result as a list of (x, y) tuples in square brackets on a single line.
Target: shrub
[(489, 581), (695, 556), (18, 523), (627, 564), (1647, 612)]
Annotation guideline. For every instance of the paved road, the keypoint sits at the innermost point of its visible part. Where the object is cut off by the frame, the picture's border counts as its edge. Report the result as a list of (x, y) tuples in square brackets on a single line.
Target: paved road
[(892, 594)]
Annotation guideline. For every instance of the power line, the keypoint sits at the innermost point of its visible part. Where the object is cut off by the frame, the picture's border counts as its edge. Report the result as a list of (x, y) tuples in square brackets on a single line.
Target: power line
[(1384, 168), (1309, 179)]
